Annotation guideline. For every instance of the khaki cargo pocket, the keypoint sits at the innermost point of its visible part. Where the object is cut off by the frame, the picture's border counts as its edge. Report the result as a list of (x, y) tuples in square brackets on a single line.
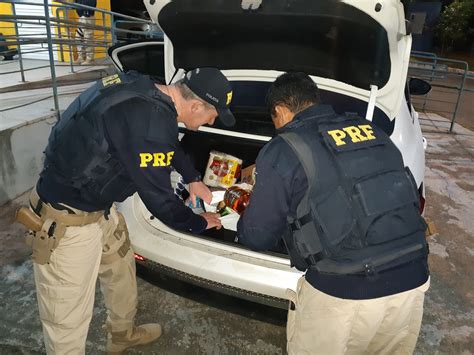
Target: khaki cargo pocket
[(291, 322), (61, 304), (121, 232)]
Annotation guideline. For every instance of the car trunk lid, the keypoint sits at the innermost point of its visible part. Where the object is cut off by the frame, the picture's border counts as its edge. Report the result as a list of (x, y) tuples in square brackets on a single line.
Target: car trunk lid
[(346, 46)]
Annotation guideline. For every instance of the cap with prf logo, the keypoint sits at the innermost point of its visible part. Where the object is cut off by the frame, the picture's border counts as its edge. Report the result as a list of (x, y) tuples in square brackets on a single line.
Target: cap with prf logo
[(213, 87)]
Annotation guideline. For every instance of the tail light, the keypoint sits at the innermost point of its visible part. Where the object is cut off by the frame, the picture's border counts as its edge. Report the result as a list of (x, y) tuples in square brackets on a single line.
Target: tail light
[(138, 257), (422, 198)]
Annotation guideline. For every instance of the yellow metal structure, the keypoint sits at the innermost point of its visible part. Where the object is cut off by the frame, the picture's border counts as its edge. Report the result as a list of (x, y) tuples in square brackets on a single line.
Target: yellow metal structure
[(68, 31), (6, 28)]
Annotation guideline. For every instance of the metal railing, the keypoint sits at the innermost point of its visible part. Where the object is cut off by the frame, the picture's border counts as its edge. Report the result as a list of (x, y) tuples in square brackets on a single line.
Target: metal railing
[(448, 81), (56, 31)]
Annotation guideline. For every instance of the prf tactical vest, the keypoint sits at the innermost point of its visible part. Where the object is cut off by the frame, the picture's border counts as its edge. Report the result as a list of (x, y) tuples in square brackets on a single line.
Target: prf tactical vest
[(360, 213), (78, 153)]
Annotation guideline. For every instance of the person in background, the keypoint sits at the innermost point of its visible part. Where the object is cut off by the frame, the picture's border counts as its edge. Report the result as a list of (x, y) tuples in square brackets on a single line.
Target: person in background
[(85, 31)]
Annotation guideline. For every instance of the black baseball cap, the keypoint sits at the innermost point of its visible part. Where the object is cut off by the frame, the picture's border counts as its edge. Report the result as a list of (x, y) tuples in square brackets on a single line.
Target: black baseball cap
[(214, 88)]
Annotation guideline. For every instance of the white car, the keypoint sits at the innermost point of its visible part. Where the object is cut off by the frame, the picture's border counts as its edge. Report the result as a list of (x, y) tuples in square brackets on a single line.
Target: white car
[(357, 51)]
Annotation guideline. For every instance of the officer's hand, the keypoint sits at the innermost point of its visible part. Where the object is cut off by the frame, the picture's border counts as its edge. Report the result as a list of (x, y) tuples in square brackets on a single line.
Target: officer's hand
[(200, 190), (212, 220)]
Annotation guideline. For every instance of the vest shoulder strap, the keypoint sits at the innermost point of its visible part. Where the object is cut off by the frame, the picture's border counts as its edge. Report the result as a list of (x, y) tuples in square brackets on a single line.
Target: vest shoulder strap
[(119, 91), (304, 154), (304, 228)]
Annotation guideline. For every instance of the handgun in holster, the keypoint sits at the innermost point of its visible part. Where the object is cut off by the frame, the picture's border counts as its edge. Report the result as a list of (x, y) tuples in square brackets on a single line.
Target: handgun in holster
[(44, 235)]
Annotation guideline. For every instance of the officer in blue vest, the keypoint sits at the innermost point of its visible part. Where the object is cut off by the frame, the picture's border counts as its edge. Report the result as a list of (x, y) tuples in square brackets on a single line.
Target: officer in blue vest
[(118, 137), (336, 190)]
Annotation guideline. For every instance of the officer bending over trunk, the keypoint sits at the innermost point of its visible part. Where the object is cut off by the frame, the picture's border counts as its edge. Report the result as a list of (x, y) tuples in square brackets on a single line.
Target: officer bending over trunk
[(117, 138), (336, 189)]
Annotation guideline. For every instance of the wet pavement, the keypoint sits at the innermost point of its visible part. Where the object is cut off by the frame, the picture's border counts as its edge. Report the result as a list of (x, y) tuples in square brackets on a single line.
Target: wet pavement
[(448, 325), (197, 321)]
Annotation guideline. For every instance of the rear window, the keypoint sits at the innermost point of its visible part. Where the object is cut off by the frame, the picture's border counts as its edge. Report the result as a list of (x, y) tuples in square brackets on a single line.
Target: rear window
[(144, 58)]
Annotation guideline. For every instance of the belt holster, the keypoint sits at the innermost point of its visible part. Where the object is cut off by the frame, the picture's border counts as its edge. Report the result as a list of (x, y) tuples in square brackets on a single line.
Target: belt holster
[(48, 224), (44, 241)]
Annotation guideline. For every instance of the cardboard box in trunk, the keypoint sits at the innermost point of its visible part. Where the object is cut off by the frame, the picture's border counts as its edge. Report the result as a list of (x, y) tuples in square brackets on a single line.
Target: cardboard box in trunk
[(248, 175)]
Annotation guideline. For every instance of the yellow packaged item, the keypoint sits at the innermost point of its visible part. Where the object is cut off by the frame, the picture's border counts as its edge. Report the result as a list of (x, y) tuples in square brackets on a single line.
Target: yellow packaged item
[(222, 170)]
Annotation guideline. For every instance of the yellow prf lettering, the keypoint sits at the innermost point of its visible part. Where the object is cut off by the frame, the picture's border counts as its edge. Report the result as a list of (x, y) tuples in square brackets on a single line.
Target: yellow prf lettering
[(355, 134), (368, 131), (145, 158), (159, 159), (338, 136), (169, 157), (229, 98)]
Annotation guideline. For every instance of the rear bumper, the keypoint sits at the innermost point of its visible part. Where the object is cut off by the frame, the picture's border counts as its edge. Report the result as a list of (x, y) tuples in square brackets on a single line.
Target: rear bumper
[(214, 286), (225, 268)]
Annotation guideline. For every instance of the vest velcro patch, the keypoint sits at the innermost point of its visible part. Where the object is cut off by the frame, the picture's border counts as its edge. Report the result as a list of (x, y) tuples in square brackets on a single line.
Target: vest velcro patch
[(111, 80), (350, 137), (156, 159)]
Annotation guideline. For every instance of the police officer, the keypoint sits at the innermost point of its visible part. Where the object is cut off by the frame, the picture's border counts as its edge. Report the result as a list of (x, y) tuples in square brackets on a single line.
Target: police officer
[(118, 137), (85, 31), (336, 189)]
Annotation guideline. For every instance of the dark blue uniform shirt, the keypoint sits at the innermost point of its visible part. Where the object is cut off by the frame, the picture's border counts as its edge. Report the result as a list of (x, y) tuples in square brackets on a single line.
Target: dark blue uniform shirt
[(280, 186), (136, 130)]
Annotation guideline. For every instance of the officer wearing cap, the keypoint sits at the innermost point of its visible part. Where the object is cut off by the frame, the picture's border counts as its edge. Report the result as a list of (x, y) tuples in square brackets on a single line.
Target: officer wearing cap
[(118, 137), (336, 189)]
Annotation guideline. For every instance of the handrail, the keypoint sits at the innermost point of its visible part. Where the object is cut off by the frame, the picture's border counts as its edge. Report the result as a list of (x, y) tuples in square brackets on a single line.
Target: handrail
[(57, 33), (437, 68), (79, 6)]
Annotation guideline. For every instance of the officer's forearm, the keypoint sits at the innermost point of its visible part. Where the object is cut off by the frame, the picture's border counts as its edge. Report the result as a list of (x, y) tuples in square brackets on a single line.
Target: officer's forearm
[(171, 211)]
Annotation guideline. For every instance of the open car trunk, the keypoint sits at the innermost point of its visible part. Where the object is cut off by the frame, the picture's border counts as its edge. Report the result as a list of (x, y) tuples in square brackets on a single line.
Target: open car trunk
[(253, 127), (199, 144), (253, 120)]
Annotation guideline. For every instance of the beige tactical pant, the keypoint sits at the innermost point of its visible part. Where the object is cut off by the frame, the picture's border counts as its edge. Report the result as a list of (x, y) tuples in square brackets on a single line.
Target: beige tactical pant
[(322, 324), (86, 36), (66, 286)]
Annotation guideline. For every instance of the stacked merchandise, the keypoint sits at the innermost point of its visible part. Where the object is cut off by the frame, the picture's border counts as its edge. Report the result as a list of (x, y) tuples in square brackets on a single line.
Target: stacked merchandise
[(229, 195)]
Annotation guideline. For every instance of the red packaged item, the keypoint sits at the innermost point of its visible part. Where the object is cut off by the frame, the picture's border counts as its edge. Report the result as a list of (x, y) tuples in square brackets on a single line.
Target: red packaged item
[(222, 170)]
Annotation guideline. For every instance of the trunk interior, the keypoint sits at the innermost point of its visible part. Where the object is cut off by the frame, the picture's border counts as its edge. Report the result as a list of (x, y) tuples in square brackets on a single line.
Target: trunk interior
[(248, 106), (199, 144)]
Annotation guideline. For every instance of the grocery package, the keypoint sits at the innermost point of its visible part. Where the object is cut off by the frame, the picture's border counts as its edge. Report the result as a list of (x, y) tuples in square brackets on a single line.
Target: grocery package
[(248, 175), (222, 170), (229, 217)]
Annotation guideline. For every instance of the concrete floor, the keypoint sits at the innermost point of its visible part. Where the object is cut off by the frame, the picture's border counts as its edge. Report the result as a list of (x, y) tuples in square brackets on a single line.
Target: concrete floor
[(197, 321)]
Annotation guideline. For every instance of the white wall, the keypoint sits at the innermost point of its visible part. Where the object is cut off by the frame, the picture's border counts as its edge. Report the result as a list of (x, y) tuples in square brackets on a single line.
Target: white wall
[(34, 51), (21, 156)]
